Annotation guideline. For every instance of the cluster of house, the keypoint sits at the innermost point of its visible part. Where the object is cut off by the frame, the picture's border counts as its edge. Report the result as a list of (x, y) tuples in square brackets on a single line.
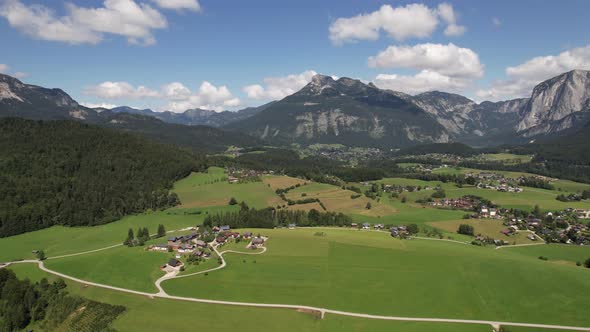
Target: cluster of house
[(572, 229), (181, 245), (503, 187), (489, 212), (241, 175), (463, 203)]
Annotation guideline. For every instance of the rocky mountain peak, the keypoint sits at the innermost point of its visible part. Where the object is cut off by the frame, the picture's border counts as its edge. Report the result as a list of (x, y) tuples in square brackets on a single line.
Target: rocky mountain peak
[(563, 99)]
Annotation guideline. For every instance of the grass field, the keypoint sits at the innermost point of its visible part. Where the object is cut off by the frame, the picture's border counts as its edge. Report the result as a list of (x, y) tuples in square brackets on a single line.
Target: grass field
[(59, 240), (485, 227), (281, 182), (145, 314), (371, 272), (524, 200), (508, 158), (339, 200), (211, 189)]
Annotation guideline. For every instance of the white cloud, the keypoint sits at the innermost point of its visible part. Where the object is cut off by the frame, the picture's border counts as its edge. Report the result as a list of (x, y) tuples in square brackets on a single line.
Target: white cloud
[(20, 75), (279, 87), (99, 105), (447, 13), (176, 96), (5, 69), (82, 25), (400, 23), (496, 21), (523, 78), (179, 4), (423, 81), (120, 90), (448, 60)]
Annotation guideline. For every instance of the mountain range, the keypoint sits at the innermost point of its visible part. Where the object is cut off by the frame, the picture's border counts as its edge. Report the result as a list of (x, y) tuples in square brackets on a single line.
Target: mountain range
[(345, 111)]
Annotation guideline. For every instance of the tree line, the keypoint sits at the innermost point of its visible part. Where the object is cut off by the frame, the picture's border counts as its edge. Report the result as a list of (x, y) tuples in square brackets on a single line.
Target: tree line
[(270, 217), (23, 302)]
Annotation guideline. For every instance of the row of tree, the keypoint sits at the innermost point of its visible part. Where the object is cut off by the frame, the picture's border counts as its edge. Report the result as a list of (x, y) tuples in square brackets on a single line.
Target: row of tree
[(270, 218)]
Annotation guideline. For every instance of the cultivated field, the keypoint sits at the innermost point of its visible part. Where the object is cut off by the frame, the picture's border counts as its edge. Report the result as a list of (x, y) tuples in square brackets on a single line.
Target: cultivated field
[(485, 227)]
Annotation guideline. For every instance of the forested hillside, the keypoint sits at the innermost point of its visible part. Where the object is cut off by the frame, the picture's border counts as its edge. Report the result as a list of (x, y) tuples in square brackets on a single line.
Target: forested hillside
[(69, 173)]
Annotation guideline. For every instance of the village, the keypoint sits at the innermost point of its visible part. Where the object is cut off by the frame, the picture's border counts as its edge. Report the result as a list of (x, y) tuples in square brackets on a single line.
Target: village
[(200, 245)]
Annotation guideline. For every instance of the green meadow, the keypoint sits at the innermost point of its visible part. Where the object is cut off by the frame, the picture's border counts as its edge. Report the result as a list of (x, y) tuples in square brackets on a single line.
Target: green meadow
[(212, 189), (351, 270), (146, 314), (367, 271), (523, 200)]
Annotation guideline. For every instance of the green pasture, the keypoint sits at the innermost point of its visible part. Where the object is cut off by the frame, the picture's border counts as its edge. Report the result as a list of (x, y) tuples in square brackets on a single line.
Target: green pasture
[(366, 271), (147, 314), (211, 189), (59, 240)]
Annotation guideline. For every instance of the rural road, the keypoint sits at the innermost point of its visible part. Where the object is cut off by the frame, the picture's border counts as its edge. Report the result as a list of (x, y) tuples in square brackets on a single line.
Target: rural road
[(322, 311), (162, 294)]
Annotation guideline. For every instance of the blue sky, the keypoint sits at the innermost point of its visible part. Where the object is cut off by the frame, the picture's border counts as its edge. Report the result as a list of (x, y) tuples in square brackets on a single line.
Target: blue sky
[(177, 54)]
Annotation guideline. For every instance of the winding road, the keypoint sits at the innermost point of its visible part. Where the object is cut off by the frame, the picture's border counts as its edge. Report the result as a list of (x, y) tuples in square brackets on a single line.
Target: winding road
[(323, 311)]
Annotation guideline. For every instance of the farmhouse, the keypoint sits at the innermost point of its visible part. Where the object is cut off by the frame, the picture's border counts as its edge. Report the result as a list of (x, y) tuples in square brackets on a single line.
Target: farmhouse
[(366, 225), (292, 226), (158, 247), (173, 262), (582, 214), (220, 239), (247, 235), (258, 241), (200, 243)]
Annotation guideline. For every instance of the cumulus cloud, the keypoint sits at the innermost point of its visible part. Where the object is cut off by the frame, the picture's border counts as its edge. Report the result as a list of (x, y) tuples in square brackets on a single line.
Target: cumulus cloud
[(176, 96), (523, 78), (120, 90), (99, 105), (449, 60), (179, 4), (447, 13), (496, 21), (20, 75), (279, 87), (400, 23), (5, 69), (89, 25), (425, 80)]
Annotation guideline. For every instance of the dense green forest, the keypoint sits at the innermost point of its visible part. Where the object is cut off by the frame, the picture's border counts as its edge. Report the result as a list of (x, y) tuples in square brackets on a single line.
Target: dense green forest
[(69, 173), (49, 306)]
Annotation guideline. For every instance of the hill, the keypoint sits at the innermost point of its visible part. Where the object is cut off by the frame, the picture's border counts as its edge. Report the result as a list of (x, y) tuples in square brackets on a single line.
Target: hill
[(69, 173)]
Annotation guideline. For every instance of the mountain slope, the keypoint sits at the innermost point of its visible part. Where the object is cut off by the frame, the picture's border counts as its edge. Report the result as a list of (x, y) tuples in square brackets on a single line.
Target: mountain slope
[(195, 138), (195, 117), (557, 104), (70, 173), (32, 102), (343, 111)]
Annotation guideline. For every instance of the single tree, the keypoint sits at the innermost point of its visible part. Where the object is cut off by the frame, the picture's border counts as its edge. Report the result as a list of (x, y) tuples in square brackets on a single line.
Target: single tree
[(161, 230), (587, 263), (41, 255), (232, 201), (368, 206)]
